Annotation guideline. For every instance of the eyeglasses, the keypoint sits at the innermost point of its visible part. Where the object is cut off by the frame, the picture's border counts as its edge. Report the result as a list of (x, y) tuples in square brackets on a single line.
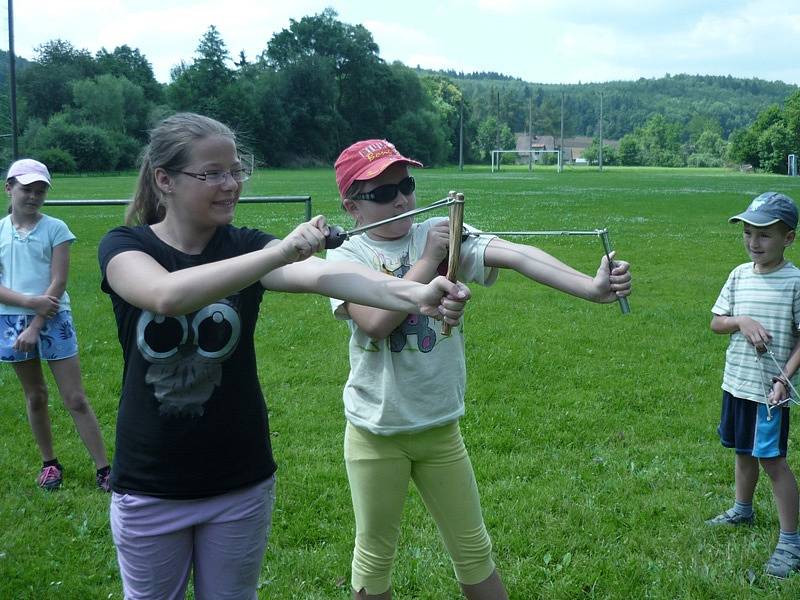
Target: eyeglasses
[(384, 194), (217, 177)]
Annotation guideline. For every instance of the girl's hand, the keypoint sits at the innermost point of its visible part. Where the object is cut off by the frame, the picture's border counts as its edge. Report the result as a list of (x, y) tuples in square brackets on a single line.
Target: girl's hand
[(45, 306), (306, 240), (27, 340), (754, 332), (442, 299), (437, 242), (617, 283)]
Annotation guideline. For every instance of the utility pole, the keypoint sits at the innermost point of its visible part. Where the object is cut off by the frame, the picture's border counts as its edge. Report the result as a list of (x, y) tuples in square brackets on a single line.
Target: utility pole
[(12, 81), (497, 129), (497, 132), (600, 155), (461, 138), (561, 143), (530, 133)]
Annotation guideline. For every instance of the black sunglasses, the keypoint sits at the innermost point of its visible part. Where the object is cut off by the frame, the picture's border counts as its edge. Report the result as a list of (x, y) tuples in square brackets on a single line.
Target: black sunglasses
[(384, 194)]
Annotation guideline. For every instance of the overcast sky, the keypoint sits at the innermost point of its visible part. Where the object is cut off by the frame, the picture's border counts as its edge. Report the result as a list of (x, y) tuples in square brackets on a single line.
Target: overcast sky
[(542, 41)]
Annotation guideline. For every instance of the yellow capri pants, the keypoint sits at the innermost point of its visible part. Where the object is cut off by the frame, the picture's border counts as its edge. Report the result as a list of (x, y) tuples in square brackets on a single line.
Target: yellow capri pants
[(379, 469)]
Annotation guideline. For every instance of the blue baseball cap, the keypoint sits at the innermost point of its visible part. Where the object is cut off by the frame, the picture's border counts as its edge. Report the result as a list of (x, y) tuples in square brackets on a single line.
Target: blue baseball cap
[(769, 208)]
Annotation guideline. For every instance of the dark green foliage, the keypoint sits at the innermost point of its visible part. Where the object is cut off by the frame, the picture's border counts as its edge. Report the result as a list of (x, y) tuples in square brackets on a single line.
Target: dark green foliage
[(770, 139), (420, 134), (131, 64), (320, 84), (90, 146), (200, 86), (610, 154), (20, 65), (57, 160), (774, 146), (46, 84), (629, 151), (698, 102)]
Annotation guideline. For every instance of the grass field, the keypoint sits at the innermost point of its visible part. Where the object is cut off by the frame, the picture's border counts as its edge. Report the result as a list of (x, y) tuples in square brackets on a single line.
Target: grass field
[(592, 434)]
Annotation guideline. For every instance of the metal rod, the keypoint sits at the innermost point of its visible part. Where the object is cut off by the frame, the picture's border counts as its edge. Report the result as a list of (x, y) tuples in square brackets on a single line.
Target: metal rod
[(337, 235), (405, 215), (624, 306), (594, 233)]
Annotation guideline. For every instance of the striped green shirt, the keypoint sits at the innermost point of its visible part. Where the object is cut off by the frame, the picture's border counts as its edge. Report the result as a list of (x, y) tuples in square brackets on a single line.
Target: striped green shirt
[(772, 299)]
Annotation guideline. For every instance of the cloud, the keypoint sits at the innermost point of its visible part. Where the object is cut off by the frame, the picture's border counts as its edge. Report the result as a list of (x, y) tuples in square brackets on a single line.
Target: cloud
[(548, 41), (165, 32)]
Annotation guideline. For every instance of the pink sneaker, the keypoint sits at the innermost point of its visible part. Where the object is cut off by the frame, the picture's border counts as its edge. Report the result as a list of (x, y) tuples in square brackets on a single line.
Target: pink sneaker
[(50, 477), (104, 480)]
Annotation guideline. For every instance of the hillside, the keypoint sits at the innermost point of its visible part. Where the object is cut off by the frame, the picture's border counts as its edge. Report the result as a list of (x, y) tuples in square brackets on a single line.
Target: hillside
[(691, 100), (21, 64)]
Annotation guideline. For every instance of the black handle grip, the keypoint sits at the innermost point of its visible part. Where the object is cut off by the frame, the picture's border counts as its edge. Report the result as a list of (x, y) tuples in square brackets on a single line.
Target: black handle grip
[(335, 238)]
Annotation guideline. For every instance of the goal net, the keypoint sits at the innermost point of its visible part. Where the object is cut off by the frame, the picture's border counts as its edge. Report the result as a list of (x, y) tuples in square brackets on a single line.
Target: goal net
[(534, 156)]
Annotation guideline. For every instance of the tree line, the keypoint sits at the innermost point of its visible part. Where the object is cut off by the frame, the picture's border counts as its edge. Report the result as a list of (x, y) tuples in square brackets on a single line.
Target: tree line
[(320, 84)]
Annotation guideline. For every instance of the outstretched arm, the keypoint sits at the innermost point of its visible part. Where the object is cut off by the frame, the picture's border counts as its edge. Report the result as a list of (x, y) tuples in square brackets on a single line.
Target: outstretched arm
[(356, 283), (378, 323), (548, 270), (142, 281)]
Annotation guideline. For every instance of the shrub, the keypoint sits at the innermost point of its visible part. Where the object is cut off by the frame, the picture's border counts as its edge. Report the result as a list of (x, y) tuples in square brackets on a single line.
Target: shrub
[(702, 159), (90, 146), (58, 160)]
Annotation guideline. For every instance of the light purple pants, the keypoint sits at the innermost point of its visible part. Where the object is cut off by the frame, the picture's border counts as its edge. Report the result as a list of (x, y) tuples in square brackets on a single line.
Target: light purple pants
[(223, 538)]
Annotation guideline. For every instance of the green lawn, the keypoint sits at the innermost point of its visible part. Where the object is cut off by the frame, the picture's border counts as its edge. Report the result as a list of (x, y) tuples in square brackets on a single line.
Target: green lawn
[(592, 434)]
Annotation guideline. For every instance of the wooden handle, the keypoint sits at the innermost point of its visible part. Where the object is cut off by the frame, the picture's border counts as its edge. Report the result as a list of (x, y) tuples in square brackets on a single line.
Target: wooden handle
[(454, 257)]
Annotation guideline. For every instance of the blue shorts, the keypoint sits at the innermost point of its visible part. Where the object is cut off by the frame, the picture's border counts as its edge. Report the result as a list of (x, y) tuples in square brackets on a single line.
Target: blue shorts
[(744, 425), (57, 339)]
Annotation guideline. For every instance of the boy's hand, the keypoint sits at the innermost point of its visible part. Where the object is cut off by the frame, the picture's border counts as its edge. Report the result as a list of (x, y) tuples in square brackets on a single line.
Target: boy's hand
[(44, 306), (754, 332), (305, 240), (437, 242), (778, 394), (611, 285), (442, 299), (27, 340)]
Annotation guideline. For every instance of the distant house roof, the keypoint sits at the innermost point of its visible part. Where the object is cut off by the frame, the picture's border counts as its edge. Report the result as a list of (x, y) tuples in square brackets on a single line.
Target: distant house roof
[(574, 147), (581, 141), (540, 142), (548, 142)]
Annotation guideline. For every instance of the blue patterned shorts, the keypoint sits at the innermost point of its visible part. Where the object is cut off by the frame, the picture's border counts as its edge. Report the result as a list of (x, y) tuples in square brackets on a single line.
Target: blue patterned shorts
[(57, 338)]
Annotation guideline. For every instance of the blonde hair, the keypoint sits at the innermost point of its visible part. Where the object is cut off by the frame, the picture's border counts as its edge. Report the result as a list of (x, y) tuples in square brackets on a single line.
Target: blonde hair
[(170, 148)]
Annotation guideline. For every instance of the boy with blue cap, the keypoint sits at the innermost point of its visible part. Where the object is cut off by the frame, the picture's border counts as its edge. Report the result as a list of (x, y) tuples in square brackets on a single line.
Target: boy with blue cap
[(759, 307)]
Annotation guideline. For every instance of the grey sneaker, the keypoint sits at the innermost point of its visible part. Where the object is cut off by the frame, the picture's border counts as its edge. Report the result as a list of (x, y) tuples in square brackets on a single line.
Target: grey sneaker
[(784, 561), (730, 517)]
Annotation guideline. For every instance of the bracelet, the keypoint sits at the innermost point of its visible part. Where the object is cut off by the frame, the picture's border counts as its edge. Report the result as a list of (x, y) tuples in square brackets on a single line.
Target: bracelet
[(782, 380)]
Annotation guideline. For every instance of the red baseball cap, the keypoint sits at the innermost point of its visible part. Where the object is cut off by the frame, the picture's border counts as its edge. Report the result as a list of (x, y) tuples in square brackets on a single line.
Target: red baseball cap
[(366, 160)]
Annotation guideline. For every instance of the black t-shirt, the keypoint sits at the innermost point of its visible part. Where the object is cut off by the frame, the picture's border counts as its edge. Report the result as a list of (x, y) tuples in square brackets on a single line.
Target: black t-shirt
[(192, 419)]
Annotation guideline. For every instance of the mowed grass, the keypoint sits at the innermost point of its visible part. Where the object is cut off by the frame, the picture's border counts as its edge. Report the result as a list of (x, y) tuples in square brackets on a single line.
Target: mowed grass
[(592, 434)]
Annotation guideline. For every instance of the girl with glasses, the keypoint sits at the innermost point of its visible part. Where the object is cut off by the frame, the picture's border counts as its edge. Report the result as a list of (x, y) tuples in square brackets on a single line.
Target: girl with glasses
[(405, 392), (193, 478)]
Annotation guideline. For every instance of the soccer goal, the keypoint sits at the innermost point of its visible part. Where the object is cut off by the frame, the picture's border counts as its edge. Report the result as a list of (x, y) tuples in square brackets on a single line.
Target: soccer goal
[(533, 155)]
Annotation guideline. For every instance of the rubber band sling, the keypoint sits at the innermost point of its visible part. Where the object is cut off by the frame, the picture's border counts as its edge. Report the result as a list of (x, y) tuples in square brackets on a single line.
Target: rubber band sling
[(793, 395)]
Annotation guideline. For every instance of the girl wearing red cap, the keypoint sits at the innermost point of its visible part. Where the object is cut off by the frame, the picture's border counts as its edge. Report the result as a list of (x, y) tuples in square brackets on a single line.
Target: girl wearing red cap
[(36, 319), (405, 393)]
